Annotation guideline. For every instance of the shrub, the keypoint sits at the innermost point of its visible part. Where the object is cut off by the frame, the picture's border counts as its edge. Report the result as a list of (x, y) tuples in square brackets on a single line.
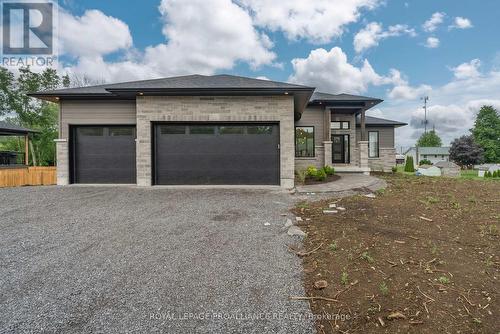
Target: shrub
[(320, 175), (301, 175), (488, 174), (425, 162), (329, 170), (394, 169), (409, 167), (495, 174), (311, 171)]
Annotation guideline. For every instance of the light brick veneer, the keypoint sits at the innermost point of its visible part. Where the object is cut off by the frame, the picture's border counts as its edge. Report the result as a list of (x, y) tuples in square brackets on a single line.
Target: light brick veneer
[(62, 162), (385, 161), (277, 109)]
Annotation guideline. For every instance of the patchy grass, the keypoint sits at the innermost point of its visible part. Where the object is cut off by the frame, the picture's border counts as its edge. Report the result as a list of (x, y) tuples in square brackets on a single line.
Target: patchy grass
[(440, 273)]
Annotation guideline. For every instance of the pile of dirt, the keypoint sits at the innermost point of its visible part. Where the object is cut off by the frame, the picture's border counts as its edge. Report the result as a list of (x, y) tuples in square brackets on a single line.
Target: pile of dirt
[(423, 256)]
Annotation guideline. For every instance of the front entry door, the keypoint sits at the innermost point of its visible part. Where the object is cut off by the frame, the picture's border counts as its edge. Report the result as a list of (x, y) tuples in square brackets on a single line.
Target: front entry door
[(340, 149)]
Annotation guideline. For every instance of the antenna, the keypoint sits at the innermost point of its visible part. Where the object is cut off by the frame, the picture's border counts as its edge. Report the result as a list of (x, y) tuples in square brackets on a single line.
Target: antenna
[(425, 98)]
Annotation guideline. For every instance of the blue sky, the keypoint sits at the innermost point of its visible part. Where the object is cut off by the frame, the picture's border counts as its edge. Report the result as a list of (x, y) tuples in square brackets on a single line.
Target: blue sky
[(380, 48)]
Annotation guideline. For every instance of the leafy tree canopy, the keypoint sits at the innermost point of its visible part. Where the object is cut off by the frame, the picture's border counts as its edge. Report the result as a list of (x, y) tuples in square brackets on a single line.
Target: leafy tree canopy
[(465, 151), (486, 132), (429, 139)]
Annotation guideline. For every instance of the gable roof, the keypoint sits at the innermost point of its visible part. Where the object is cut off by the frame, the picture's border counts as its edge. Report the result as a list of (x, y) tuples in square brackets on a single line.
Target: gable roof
[(374, 121), (434, 150), (12, 129)]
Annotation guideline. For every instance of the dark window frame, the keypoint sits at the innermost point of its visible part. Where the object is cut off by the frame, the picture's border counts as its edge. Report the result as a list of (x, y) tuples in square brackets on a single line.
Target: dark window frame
[(378, 145), (313, 137), (341, 125)]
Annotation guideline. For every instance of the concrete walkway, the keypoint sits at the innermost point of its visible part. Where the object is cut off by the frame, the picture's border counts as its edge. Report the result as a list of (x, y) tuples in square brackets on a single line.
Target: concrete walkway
[(346, 183)]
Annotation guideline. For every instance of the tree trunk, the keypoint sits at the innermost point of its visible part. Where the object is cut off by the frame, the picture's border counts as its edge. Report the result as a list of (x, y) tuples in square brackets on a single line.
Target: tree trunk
[(33, 157)]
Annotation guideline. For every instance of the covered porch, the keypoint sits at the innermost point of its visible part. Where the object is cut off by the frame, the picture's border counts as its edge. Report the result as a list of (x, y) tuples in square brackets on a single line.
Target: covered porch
[(15, 158), (345, 138)]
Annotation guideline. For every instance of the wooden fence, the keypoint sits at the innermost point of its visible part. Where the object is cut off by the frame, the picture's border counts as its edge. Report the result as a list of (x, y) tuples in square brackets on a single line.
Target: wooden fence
[(27, 176)]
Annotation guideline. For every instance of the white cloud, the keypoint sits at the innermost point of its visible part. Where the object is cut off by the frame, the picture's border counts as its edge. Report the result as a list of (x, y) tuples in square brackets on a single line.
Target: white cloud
[(432, 43), (331, 72), (318, 21), (461, 23), (431, 24), (92, 34), (202, 36), (373, 33), (467, 70), (407, 92)]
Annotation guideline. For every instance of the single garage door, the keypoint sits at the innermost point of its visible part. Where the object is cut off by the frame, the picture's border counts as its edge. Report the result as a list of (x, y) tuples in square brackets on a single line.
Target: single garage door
[(216, 154), (104, 154)]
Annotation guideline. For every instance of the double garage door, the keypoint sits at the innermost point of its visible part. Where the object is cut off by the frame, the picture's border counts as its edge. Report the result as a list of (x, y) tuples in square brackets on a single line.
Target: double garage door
[(191, 154)]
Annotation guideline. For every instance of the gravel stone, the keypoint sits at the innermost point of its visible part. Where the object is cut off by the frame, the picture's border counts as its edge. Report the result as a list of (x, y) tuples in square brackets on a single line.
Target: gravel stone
[(126, 259)]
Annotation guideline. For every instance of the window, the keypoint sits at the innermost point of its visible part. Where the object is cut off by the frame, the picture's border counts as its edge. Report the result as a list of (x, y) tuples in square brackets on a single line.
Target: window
[(91, 131), (260, 130), (231, 130), (118, 131), (173, 129), (304, 141), (339, 125), (373, 144), (202, 130)]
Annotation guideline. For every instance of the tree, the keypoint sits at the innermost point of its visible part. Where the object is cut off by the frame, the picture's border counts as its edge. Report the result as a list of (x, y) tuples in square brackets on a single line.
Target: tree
[(30, 112), (465, 151), (429, 139), (486, 133), (409, 167)]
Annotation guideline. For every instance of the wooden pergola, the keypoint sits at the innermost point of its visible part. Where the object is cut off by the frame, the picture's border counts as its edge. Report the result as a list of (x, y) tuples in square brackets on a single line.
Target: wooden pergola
[(8, 129)]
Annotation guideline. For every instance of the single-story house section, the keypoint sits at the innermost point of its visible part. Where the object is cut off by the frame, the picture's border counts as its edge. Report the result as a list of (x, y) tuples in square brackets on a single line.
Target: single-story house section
[(433, 154), (220, 129), (428, 170), (448, 168)]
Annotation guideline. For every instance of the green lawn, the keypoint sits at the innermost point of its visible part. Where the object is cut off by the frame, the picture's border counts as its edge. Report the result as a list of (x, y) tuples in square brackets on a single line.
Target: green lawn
[(467, 174)]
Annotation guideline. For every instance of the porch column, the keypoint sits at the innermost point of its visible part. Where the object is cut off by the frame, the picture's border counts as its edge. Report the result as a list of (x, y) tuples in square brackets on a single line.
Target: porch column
[(363, 157), (363, 127), (327, 140), (26, 149), (62, 162)]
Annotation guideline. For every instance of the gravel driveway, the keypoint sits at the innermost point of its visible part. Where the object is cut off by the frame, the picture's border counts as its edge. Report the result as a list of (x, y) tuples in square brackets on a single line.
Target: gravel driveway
[(125, 259)]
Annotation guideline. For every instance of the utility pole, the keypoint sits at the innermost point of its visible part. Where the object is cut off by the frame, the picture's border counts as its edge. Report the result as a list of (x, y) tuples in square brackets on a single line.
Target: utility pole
[(425, 98)]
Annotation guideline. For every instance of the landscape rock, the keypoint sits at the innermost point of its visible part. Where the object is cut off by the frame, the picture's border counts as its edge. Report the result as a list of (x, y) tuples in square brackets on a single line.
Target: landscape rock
[(321, 284), (288, 223), (333, 205), (326, 212), (295, 231), (299, 219), (370, 195)]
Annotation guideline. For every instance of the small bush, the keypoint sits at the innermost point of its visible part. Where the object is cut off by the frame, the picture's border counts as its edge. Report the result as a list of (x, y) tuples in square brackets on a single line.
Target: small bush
[(311, 171), (425, 162), (394, 169), (409, 167), (301, 175), (488, 174), (329, 170), (495, 174), (320, 175)]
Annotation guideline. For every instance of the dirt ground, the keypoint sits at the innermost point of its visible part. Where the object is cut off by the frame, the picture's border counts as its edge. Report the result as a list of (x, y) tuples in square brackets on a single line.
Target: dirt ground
[(423, 256)]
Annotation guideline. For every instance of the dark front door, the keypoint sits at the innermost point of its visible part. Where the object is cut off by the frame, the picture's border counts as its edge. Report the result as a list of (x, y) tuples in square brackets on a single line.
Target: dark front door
[(103, 154), (208, 153), (340, 149)]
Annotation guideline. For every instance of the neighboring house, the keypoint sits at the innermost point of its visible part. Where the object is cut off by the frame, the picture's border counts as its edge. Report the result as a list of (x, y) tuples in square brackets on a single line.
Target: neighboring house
[(448, 168), (218, 129), (433, 154), (428, 170)]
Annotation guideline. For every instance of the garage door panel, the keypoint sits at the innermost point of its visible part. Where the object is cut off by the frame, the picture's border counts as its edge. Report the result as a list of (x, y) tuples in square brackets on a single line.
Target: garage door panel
[(219, 158), (104, 154)]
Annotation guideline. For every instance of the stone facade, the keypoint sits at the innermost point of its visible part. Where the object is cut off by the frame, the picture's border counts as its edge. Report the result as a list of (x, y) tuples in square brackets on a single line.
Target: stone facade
[(385, 161), (277, 109), (62, 162)]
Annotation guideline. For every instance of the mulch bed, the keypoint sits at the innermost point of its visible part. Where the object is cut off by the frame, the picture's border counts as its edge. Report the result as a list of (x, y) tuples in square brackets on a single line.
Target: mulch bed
[(329, 178), (421, 257)]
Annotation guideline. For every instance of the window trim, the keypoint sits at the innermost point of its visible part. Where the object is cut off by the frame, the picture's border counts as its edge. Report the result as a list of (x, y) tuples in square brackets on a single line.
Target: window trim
[(295, 141), (378, 145)]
